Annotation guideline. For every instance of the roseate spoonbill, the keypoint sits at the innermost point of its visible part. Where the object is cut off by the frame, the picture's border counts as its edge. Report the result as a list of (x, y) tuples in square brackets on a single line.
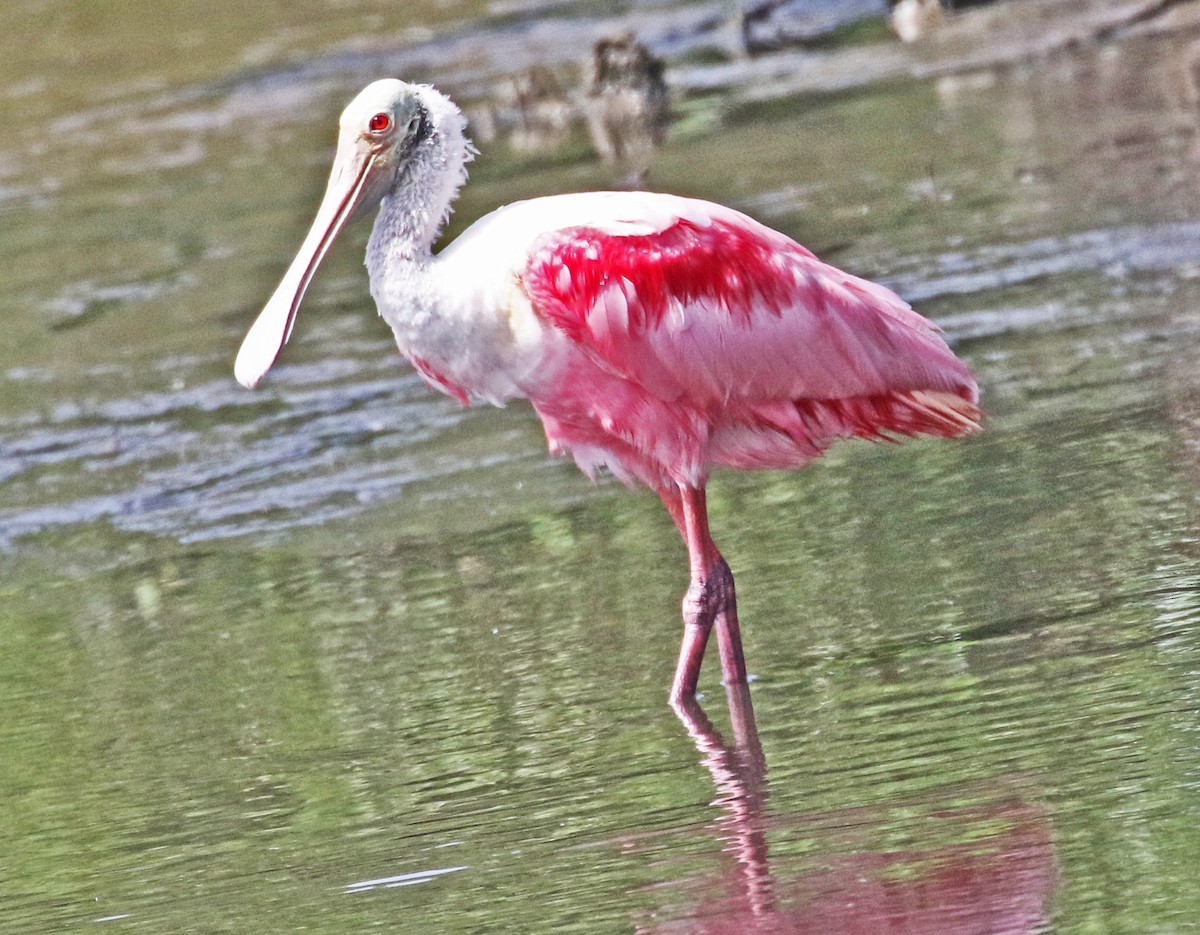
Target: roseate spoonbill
[(655, 335)]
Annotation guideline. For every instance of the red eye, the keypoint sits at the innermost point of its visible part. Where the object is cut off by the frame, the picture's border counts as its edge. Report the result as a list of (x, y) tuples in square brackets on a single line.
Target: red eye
[(379, 123)]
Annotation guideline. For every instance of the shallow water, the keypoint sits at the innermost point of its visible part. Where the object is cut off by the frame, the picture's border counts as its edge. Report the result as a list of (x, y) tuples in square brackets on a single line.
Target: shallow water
[(339, 654)]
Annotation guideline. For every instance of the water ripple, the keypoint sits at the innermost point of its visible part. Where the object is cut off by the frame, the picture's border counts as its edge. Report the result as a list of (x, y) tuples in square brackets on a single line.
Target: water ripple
[(208, 460), (1116, 252), (403, 879)]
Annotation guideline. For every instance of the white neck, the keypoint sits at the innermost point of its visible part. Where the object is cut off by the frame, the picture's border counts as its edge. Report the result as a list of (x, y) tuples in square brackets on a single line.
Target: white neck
[(447, 324), (413, 214)]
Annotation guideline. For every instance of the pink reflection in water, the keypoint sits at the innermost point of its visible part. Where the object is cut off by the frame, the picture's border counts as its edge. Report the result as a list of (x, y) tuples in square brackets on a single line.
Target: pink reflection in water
[(997, 881)]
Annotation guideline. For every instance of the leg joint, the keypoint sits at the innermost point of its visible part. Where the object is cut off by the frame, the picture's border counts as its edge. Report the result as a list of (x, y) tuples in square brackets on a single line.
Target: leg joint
[(710, 594)]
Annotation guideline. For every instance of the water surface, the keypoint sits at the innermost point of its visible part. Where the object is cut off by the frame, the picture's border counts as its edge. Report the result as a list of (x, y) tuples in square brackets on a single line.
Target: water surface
[(339, 654)]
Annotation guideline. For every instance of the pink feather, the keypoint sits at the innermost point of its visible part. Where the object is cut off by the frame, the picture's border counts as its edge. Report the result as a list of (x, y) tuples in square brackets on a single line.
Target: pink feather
[(729, 344)]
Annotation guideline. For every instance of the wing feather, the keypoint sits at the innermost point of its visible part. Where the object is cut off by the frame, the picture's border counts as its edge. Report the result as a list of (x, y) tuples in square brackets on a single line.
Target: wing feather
[(705, 338), (730, 311)]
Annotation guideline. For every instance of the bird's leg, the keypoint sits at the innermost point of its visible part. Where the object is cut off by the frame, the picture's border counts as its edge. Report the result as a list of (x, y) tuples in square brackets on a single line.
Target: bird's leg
[(709, 600)]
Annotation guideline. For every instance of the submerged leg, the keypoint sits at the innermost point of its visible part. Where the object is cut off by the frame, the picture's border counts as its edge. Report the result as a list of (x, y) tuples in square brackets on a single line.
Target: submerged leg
[(709, 600)]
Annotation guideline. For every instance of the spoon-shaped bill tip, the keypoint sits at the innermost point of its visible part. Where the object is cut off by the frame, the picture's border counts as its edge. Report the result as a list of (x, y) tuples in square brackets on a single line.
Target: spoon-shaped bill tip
[(266, 337)]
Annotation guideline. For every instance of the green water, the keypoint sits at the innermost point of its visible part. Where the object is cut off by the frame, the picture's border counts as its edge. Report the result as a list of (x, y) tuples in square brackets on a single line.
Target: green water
[(338, 656)]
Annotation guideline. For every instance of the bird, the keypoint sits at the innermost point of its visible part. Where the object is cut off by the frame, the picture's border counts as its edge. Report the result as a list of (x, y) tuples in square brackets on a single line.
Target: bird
[(913, 19), (541, 111), (628, 102), (656, 336)]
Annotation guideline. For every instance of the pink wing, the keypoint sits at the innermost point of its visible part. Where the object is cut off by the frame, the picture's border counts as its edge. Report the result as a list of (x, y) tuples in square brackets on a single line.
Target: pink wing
[(777, 351)]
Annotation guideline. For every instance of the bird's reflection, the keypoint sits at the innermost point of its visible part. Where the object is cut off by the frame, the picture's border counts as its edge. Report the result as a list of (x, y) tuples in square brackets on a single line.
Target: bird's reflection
[(995, 877), (739, 773)]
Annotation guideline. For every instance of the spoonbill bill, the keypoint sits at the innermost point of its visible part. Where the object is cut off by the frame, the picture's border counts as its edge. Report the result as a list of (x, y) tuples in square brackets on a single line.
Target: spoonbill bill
[(656, 336)]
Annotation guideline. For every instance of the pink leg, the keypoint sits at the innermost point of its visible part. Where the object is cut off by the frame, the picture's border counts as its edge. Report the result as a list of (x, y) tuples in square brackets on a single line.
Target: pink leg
[(710, 598)]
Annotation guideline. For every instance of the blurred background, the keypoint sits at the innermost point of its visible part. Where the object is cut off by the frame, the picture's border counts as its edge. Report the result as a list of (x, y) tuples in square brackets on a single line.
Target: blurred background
[(339, 654)]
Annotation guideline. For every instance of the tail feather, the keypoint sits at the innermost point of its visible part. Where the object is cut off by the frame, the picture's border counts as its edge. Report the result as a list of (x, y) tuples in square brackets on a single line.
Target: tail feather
[(945, 414), (883, 417)]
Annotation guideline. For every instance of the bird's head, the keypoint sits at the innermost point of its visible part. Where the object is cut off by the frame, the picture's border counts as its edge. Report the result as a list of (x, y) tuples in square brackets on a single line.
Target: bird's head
[(379, 132), (389, 131)]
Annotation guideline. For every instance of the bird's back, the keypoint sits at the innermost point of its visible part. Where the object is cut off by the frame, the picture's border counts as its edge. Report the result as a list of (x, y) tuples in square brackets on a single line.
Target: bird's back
[(681, 320)]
